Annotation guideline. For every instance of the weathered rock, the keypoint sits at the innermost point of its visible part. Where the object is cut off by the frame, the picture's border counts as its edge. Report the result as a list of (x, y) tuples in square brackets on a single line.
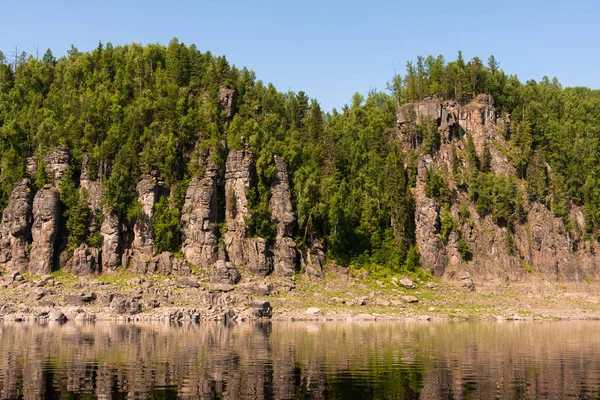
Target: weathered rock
[(259, 258), (46, 208), (397, 303), (313, 311), (282, 216), (465, 281), (239, 171), (261, 309), (85, 261), (125, 306), (15, 229), (429, 107), (410, 299), (382, 302), (199, 219), (257, 288), (315, 257), (221, 287), (31, 166), (92, 189), (225, 272), (57, 315), (56, 163), (407, 283), (148, 192), (79, 299), (227, 100), (111, 244), (166, 263), (432, 252), (187, 283)]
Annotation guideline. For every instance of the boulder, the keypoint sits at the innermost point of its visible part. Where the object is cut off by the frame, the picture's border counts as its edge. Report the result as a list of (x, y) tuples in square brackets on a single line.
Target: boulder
[(261, 309), (79, 299), (407, 283), (187, 283), (57, 315), (225, 272), (259, 257), (166, 263), (125, 306), (85, 261), (46, 208), (410, 299)]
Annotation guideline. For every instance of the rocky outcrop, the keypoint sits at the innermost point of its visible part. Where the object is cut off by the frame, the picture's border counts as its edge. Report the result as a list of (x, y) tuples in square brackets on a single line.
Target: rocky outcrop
[(250, 253), (539, 247), (15, 230), (225, 272), (227, 100), (238, 178), (199, 220), (258, 257), (85, 261), (432, 251), (111, 240), (315, 257), (282, 216), (56, 163), (31, 166), (148, 192), (46, 213), (93, 188), (429, 107), (167, 264)]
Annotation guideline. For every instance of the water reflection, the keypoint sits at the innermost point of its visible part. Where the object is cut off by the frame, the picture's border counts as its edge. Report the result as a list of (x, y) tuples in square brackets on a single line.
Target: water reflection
[(300, 360)]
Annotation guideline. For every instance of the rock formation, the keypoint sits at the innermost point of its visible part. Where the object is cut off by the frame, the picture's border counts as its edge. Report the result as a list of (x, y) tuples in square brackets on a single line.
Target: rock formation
[(199, 219), (46, 212), (111, 244), (148, 192), (57, 161), (15, 230), (94, 189), (282, 216), (227, 100), (540, 244), (85, 261)]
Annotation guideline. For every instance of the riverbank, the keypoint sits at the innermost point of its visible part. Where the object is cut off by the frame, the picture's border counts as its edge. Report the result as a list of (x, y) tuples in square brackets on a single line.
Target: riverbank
[(339, 295)]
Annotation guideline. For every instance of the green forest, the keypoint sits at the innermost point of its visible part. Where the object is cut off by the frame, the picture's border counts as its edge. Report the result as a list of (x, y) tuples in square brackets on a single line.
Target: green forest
[(141, 108)]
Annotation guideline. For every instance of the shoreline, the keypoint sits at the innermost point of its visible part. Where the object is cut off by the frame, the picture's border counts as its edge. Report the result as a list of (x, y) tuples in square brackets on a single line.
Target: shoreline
[(340, 295)]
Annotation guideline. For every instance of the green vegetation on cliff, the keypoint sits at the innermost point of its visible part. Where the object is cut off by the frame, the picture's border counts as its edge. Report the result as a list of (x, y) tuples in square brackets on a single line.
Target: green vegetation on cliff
[(136, 108)]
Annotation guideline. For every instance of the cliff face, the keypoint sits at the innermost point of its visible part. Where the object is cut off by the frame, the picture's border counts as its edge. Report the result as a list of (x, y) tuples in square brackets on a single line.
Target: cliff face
[(15, 230), (31, 233), (537, 247), (199, 219)]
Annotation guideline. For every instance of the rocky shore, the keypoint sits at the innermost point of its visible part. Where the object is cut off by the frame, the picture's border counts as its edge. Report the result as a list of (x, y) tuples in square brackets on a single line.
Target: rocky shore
[(339, 295)]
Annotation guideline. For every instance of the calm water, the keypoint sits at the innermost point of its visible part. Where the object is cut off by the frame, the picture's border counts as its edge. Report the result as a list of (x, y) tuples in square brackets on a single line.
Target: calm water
[(301, 360)]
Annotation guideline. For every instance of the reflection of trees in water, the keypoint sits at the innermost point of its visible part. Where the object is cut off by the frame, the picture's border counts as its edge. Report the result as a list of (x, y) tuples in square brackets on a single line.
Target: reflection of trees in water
[(300, 360)]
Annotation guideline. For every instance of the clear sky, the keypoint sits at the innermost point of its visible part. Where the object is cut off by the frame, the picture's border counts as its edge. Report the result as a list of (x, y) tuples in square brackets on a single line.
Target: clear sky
[(329, 49)]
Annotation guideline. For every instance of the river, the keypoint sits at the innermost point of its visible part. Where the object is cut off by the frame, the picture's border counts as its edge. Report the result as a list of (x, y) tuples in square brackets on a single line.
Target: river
[(327, 360)]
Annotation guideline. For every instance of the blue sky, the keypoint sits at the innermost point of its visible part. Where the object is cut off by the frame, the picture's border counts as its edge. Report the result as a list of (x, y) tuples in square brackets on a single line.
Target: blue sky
[(329, 49)]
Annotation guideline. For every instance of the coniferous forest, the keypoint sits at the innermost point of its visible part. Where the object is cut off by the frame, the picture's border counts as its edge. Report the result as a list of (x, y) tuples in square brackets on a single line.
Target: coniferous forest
[(134, 109)]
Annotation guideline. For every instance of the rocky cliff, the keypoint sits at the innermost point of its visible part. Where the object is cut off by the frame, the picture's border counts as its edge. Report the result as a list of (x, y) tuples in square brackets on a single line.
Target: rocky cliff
[(478, 249), (32, 224)]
